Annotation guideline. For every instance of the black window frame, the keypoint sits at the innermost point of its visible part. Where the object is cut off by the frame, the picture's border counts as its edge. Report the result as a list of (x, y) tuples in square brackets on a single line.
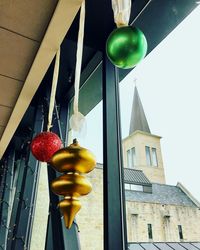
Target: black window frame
[(150, 231)]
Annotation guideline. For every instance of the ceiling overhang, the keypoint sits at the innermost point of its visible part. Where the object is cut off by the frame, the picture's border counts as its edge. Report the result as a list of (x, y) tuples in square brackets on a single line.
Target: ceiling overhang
[(60, 22)]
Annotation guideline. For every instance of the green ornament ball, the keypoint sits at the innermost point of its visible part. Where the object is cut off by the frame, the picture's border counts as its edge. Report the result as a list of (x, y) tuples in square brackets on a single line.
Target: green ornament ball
[(126, 46)]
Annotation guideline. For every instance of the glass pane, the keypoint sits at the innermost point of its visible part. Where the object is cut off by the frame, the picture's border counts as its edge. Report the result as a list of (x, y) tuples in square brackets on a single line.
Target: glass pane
[(176, 246), (133, 157), (90, 217), (154, 157), (144, 121), (129, 158), (150, 233), (135, 247), (188, 246), (196, 244), (180, 231), (149, 246), (148, 155), (127, 186), (136, 187), (163, 246)]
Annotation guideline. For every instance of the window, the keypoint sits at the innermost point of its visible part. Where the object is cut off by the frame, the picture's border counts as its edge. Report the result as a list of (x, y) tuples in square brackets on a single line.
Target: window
[(180, 231), (151, 156), (148, 155), (127, 186), (136, 187), (129, 160), (150, 234), (131, 157), (154, 157), (133, 187)]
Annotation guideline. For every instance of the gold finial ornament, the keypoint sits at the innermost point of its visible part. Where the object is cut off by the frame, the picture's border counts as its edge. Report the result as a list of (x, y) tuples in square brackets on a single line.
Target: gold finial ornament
[(72, 161)]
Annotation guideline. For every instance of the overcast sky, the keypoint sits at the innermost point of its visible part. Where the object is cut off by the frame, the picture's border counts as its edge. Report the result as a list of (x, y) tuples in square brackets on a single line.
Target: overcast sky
[(168, 81)]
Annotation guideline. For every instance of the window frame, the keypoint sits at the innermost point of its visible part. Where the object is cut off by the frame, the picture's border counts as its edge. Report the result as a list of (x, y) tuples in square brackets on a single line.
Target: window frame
[(150, 231), (148, 152), (154, 153), (131, 162), (180, 232)]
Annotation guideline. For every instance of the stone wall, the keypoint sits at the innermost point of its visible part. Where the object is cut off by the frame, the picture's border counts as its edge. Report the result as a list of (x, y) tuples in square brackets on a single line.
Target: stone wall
[(164, 219), (90, 217)]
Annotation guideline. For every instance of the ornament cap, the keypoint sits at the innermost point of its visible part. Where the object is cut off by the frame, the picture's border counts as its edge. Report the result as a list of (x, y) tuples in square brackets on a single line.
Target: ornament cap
[(75, 141)]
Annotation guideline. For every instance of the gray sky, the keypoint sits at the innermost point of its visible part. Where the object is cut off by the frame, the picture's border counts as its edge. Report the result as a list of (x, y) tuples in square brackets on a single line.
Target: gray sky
[(168, 81)]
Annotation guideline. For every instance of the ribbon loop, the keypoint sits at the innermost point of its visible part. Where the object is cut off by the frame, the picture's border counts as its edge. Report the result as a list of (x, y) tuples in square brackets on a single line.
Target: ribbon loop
[(121, 10), (77, 120), (53, 90)]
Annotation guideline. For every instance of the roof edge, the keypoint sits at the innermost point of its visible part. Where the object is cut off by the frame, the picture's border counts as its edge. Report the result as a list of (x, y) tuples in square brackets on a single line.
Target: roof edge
[(142, 132), (184, 190)]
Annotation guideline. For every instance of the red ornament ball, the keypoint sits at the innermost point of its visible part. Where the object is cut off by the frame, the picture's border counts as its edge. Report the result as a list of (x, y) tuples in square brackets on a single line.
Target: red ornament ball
[(44, 145)]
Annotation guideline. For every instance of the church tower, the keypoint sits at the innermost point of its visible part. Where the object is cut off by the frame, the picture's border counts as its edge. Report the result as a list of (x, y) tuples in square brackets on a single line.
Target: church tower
[(141, 149)]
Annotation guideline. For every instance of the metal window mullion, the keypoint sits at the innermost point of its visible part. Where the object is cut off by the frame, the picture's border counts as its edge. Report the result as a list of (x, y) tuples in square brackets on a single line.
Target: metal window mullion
[(24, 218), (2, 184), (114, 199), (21, 167)]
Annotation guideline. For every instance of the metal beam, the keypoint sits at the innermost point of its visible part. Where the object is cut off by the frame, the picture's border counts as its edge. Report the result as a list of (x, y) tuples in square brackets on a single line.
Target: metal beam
[(114, 201)]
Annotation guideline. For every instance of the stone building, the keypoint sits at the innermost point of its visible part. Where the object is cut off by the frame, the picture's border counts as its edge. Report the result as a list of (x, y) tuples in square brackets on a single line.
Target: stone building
[(155, 211)]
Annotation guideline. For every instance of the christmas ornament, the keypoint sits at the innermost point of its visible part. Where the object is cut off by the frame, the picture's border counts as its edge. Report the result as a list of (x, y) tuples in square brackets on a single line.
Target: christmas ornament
[(73, 161), (126, 46), (44, 145)]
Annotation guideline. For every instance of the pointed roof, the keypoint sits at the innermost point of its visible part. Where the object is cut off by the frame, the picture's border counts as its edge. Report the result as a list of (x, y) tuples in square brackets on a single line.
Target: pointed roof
[(138, 118)]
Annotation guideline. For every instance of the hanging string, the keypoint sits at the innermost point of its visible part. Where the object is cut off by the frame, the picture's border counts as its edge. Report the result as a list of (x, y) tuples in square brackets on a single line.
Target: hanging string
[(53, 90), (77, 119), (79, 56), (122, 11)]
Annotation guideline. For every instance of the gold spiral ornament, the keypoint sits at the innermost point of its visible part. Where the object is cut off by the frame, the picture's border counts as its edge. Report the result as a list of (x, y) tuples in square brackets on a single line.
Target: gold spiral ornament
[(73, 161)]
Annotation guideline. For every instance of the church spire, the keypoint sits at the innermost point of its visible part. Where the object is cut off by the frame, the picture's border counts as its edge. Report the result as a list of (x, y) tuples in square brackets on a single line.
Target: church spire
[(138, 118)]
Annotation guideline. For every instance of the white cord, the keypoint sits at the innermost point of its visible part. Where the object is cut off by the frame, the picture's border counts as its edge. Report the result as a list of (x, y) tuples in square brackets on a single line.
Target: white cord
[(79, 56), (53, 90)]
